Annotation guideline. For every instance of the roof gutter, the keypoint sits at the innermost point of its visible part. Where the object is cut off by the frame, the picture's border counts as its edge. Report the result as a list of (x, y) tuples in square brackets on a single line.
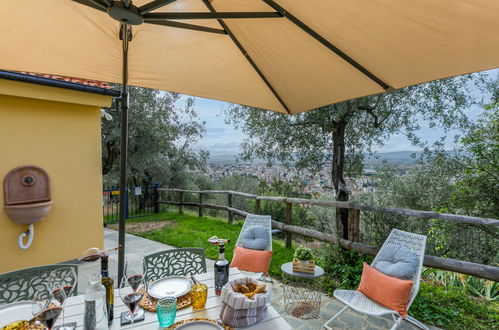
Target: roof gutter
[(57, 83)]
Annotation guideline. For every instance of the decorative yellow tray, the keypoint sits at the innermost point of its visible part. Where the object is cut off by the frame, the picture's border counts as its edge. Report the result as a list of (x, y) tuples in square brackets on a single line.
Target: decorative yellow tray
[(179, 323)]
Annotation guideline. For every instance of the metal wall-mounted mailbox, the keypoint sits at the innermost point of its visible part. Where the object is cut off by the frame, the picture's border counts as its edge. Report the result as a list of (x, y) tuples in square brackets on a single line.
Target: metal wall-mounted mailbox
[(27, 198)]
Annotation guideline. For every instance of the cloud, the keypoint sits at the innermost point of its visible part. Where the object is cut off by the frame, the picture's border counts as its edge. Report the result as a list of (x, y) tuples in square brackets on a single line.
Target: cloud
[(221, 137), (216, 131)]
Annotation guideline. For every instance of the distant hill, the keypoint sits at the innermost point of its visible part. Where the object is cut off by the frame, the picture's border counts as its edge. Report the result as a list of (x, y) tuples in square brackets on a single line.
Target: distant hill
[(222, 158), (395, 157)]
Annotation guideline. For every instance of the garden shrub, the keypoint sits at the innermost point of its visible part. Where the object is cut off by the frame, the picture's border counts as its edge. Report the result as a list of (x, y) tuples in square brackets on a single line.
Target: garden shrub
[(343, 267), (452, 308)]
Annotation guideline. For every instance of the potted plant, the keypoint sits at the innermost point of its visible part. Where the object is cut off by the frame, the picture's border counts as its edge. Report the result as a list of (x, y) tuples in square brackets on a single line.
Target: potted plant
[(303, 260)]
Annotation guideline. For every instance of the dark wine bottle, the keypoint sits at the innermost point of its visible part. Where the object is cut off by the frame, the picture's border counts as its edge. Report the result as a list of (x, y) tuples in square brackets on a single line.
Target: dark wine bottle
[(221, 269), (108, 283)]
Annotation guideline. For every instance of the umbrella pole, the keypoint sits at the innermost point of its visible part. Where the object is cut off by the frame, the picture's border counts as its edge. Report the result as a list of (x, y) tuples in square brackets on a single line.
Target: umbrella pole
[(124, 35)]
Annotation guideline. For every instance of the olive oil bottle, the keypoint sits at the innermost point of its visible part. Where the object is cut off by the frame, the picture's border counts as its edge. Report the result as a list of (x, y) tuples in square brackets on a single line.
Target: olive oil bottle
[(108, 283)]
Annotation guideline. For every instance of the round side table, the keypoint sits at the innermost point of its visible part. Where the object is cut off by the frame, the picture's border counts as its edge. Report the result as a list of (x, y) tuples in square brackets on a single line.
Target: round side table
[(302, 292)]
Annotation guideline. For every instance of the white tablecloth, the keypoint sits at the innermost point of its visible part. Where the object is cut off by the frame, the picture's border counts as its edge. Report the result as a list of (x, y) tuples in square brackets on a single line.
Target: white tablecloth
[(74, 308)]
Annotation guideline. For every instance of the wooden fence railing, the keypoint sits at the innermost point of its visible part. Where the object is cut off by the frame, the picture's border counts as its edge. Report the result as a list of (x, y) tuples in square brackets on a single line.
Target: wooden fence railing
[(465, 267)]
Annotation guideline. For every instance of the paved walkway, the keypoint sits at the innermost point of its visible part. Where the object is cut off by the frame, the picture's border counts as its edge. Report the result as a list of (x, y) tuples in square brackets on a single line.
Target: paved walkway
[(137, 247)]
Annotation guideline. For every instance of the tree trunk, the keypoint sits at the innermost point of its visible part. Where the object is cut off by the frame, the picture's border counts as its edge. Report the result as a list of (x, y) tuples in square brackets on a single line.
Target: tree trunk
[(110, 156), (337, 172)]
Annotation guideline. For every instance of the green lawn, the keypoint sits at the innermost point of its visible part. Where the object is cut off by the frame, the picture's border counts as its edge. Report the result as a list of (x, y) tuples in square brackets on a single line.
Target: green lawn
[(190, 231)]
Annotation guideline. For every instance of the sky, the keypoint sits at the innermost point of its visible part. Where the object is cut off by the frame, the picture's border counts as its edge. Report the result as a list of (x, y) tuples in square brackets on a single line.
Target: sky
[(221, 138)]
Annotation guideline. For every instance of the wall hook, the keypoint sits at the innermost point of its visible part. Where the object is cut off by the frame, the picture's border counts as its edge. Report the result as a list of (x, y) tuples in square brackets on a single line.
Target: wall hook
[(30, 233)]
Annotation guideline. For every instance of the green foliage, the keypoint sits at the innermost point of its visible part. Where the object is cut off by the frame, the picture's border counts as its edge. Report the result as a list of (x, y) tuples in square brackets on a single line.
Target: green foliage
[(476, 190), (452, 308), (190, 231), (322, 218), (343, 267), (279, 187), (162, 133), (244, 183), (430, 186), (484, 290), (303, 253)]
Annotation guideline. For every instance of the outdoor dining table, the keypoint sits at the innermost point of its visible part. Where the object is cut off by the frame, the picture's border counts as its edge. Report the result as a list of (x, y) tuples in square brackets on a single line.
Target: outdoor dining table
[(74, 308)]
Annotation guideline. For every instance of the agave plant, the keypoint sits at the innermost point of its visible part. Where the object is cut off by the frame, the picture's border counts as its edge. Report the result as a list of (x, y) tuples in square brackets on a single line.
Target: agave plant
[(485, 289), (474, 286)]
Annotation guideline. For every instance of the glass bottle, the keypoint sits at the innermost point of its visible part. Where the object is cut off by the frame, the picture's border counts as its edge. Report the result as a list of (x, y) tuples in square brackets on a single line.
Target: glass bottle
[(221, 269), (108, 284), (95, 315)]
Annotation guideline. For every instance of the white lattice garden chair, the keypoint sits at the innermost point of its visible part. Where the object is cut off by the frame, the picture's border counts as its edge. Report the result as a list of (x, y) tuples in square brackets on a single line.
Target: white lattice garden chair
[(360, 303), (257, 228)]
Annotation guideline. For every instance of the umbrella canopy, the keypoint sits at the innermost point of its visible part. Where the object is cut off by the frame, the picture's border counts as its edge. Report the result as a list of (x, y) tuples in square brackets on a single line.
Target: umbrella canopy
[(284, 55)]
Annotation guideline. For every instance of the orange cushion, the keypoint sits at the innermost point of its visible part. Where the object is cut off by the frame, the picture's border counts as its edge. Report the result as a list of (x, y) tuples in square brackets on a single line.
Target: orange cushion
[(251, 260), (386, 290)]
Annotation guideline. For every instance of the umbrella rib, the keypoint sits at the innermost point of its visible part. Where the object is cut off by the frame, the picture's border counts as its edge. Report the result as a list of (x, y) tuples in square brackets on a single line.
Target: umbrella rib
[(213, 15), (326, 43), (154, 5), (90, 4), (186, 26), (100, 3), (250, 60)]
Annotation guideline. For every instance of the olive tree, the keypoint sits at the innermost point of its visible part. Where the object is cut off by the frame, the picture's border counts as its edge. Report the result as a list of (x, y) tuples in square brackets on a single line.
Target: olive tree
[(341, 134), (162, 132)]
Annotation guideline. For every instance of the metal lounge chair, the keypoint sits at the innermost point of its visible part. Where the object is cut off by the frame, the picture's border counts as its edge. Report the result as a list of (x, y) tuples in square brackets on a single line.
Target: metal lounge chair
[(180, 262), (360, 303), (253, 220), (34, 283)]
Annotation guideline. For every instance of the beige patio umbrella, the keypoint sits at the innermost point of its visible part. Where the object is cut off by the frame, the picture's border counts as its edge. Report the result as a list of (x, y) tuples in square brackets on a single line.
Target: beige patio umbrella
[(285, 55)]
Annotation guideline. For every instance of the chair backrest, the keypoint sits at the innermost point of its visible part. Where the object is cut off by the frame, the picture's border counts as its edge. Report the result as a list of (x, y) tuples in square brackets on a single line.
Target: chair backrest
[(34, 283), (180, 262), (414, 242), (256, 220)]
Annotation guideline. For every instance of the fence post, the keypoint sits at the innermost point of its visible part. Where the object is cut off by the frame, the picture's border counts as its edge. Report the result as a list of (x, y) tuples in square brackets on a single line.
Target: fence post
[(287, 217), (229, 204), (257, 206), (200, 210), (353, 225), (157, 198), (181, 202)]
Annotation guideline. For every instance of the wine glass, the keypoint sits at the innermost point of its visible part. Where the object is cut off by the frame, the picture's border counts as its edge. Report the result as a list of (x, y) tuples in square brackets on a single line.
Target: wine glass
[(135, 278), (93, 254), (63, 280), (47, 312), (131, 296), (37, 305)]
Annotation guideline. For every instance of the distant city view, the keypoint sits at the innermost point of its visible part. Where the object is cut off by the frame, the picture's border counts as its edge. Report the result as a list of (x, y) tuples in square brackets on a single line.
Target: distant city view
[(226, 165)]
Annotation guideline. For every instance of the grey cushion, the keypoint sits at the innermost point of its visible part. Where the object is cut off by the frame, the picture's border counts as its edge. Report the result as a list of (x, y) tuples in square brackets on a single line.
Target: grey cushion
[(397, 261), (256, 238)]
